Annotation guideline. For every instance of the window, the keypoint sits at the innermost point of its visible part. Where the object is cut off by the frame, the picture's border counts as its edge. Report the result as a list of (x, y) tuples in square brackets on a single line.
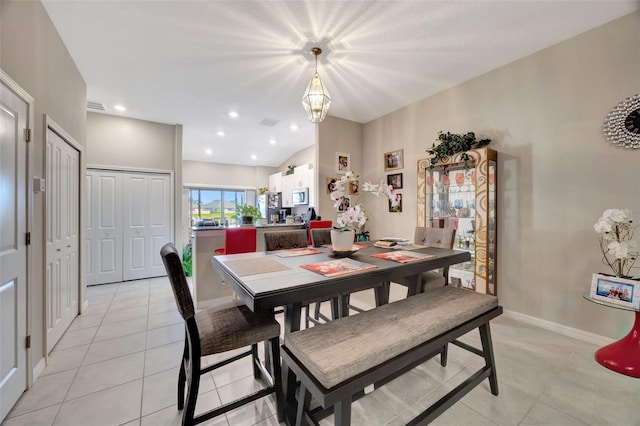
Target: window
[(215, 207)]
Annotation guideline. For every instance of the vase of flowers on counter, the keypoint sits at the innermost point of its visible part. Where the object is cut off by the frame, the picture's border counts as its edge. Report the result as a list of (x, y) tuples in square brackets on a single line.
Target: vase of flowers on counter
[(355, 217)]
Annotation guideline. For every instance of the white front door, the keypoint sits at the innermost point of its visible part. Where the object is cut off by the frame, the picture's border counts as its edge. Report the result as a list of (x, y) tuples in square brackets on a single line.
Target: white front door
[(147, 223), (14, 120), (104, 227), (62, 229)]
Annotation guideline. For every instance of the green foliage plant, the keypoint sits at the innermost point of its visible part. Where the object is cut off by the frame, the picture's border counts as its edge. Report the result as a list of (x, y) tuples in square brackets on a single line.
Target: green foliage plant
[(246, 210), (453, 143), (186, 259)]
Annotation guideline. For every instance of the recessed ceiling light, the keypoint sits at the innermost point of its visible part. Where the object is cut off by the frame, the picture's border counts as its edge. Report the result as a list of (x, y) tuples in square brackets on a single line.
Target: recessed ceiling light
[(208, 151), (294, 127), (119, 108), (233, 114), (253, 157), (220, 133), (272, 141)]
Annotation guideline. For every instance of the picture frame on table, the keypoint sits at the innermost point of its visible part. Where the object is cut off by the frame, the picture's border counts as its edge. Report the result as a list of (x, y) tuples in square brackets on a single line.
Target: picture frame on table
[(395, 180), (343, 162), (394, 160), (616, 290), (397, 208)]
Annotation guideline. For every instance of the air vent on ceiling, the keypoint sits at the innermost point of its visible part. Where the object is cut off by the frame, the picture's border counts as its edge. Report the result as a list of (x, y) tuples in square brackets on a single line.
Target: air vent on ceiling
[(95, 105), (269, 122)]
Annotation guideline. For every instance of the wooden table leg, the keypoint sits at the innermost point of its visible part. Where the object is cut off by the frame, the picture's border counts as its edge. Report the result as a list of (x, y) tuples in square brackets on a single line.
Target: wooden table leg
[(382, 293)]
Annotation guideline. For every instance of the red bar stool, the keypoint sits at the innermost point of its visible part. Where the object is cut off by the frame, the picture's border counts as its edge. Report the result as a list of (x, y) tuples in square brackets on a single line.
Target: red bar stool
[(238, 240)]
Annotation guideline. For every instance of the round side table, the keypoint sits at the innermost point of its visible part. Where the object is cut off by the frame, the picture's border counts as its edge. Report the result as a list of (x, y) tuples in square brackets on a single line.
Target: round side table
[(622, 356)]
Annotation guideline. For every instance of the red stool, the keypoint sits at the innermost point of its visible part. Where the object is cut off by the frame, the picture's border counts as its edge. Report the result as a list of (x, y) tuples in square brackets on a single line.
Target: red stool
[(238, 240), (315, 224)]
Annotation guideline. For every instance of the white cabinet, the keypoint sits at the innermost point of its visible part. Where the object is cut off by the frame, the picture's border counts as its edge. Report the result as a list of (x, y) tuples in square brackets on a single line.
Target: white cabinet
[(287, 187), (301, 176), (275, 182)]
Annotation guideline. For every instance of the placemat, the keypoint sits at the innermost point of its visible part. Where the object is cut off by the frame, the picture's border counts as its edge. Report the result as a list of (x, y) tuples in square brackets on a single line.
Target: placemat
[(246, 267)]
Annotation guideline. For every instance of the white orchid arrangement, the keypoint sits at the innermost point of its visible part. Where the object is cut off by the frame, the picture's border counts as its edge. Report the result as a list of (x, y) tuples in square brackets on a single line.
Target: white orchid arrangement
[(355, 216), (619, 251)]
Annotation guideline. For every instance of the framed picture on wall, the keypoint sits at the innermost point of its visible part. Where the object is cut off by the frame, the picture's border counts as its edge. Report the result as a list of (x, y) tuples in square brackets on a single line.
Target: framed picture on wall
[(343, 162), (397, 208), (394, 160), (395, 180), (331, 184), (354, 187), (345, 204)]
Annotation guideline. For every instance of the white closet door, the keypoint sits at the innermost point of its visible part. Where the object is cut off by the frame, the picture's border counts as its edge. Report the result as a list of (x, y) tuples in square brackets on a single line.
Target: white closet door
[(14, 118), (62, 229), (147, 224), (104, 233)]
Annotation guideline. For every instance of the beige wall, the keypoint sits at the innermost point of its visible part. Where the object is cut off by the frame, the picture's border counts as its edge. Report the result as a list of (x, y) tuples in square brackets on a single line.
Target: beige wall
[(127, 142), (304, 156), (219, 175), (336, 135), (121, 142), (32, 54), (557, 174)]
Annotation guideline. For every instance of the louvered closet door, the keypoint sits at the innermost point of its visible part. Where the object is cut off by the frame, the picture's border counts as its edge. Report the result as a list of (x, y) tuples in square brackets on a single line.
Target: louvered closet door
[(147, 224)]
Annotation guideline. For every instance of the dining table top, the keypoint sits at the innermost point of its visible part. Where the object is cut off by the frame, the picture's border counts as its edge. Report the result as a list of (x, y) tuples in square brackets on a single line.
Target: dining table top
[(265, 280)]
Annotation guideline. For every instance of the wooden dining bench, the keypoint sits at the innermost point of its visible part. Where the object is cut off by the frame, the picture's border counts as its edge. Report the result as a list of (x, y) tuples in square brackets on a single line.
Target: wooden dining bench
[(337, 360)]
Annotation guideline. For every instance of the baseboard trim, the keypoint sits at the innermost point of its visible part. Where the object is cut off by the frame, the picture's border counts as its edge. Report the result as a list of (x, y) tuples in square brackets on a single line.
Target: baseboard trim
[(559, 328), (38, 369)]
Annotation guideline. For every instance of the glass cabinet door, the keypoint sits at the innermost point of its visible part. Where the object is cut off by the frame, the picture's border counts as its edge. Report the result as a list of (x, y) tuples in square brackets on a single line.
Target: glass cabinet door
[(462, 195)]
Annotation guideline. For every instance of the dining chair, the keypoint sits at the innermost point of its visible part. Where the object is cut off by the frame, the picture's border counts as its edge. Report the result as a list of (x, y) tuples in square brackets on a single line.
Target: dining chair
[(434, 237), (320, 237), (217, 330), (283, 240), (318, 224), (239, 240)]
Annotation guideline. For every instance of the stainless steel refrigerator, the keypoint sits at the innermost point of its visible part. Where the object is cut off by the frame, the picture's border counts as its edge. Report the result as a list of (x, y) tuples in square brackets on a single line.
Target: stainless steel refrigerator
[(269, 205)]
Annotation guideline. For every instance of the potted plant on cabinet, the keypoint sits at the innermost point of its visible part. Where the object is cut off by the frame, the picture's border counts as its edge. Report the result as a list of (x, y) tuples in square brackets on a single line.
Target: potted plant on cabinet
[(247, 214)]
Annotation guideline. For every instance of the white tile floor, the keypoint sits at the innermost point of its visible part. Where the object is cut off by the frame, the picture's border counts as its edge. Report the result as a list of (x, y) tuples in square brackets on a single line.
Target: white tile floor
[(118, 365)]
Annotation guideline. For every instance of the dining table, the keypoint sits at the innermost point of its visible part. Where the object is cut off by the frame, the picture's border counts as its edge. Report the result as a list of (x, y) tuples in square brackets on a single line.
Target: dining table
[(266, 280)]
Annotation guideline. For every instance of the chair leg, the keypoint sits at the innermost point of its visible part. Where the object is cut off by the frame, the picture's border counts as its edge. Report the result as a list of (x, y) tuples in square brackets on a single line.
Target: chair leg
[(182, 377), (487, 348), (193, 384), (304, 401), (443, 355), (306, 316), (255, 359), (277, 377)]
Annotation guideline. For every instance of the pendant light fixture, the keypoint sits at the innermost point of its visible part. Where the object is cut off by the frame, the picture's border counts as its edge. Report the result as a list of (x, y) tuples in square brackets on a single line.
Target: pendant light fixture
[(316, 99)]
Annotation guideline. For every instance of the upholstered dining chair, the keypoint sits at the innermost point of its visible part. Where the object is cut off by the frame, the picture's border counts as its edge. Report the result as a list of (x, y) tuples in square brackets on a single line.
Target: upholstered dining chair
[(318, 224), (238, 240), (218, 330), (434, 237), (283, 240), (320, 237)]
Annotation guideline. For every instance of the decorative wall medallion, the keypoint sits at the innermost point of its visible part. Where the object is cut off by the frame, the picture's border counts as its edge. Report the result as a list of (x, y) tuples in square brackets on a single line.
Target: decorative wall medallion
[(622, 125)]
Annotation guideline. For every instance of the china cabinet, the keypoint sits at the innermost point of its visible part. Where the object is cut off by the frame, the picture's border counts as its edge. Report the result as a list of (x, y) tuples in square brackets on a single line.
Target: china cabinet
[(462, 195)]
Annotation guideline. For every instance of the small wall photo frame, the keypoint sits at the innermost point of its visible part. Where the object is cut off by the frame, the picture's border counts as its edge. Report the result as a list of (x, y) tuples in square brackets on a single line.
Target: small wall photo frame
[(354, 187), (331, 184), (343, 162), (619, 291), (394, 160), (397, 208), (395, 180), (344, 204)]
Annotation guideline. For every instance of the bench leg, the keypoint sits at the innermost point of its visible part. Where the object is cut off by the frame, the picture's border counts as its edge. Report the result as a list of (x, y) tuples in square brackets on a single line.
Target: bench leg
[(255, 359), (304, 402), (342, 412), (487, 349)]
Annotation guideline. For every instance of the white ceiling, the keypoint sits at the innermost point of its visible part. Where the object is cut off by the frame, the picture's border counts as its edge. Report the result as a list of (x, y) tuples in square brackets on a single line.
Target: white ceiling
[(191, 62)]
